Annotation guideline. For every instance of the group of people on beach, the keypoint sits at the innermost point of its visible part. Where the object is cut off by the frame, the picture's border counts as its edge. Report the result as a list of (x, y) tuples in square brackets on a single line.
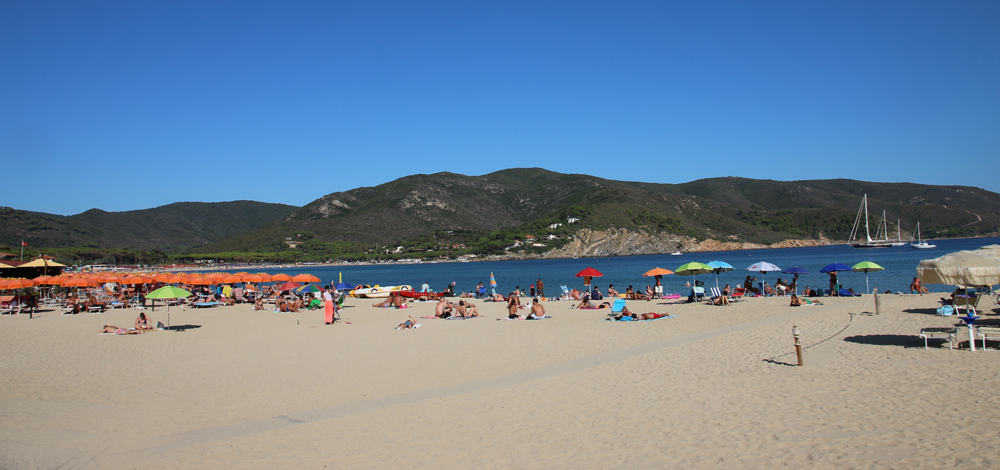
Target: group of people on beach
[(463, 309)]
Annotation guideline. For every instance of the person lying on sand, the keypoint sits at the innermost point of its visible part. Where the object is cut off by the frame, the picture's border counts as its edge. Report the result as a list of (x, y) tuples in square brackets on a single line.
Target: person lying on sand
[(467, 309), (537, 310), (585, 303), (409, 323), (394, 300), (120, 331), (795, 301)]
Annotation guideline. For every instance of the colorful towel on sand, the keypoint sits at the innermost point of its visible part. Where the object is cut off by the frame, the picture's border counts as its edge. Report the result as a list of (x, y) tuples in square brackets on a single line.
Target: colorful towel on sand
[(651, 319)]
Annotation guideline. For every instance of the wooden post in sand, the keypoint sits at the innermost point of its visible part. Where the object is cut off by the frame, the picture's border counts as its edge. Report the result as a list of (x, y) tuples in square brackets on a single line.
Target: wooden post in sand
[(875, 295), (798, 343)]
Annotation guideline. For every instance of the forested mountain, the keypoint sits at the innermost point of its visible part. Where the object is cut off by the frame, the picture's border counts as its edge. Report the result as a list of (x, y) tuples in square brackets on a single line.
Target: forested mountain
[(445, 207), (447, 213), (166, 228)]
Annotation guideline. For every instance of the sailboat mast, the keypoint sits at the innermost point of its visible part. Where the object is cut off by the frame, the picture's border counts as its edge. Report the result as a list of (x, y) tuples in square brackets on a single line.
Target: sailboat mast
[(867, 234)]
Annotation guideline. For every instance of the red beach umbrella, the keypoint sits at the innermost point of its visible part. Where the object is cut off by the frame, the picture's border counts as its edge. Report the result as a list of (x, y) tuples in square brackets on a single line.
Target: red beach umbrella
[(289, 286), (587, 275), (589, 272)]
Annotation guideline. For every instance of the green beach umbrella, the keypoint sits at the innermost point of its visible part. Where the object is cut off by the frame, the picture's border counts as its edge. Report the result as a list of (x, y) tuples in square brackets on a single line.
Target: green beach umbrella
[(866, 267), (168, 292), (693, 269)]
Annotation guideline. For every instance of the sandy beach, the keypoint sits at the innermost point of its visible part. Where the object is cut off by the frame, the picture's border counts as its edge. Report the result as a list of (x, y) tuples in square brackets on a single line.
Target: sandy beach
[(711, 387)]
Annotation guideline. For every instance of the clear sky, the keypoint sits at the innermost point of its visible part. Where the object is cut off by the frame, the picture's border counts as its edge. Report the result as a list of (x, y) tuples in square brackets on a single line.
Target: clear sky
[(135, 104)]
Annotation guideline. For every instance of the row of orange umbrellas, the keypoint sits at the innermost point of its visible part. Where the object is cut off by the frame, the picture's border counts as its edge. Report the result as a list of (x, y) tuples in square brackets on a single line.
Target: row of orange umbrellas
[(94, 279)]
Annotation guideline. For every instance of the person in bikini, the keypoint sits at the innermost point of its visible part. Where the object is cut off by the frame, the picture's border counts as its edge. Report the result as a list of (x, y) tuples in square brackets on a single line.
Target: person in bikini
[(120, 331), (142, 323), (513, 303)]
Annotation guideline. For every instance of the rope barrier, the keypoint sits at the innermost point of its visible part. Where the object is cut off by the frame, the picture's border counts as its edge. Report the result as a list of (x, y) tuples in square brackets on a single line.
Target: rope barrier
[(848, 325)]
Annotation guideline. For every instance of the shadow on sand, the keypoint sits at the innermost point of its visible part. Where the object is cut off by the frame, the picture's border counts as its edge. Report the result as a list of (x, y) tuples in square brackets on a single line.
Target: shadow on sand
[(182, 328), (906, 341)]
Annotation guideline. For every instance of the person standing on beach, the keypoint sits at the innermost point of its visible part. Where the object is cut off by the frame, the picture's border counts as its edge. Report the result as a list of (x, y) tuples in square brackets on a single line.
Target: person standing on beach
[(540, 287), (328, 306), (833, 282)]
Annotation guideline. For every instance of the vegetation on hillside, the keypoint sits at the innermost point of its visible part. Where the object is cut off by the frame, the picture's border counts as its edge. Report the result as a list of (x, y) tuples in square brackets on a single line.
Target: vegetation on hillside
[(509, 211)]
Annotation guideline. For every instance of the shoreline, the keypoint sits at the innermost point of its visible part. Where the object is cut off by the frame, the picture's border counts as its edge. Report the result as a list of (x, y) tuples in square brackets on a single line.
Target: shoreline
[(246, 266)]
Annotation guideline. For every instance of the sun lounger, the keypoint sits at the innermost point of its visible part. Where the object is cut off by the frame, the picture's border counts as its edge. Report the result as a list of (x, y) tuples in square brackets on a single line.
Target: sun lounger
[(967, 301), (96, 309), (944, 332), (988, 333)]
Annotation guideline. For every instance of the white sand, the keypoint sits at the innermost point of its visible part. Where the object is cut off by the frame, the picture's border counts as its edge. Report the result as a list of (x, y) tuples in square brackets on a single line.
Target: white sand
[(252, 389)]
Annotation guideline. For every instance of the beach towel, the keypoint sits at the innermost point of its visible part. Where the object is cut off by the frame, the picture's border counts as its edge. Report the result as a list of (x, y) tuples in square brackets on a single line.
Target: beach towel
[(204, 304), (672, 296), (632, 319)]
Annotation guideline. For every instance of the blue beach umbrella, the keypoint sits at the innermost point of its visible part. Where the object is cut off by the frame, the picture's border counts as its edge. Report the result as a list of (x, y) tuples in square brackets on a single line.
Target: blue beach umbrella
[(719, 267), (833, 268)]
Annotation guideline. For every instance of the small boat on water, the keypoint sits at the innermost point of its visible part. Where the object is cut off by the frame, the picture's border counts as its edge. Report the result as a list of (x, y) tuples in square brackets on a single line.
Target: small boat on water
[(921, 244), (676, 253), (376, 292)]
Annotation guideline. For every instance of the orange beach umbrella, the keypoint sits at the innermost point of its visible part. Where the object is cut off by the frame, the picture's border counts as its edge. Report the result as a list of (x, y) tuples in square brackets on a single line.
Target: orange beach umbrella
[(305, 277)]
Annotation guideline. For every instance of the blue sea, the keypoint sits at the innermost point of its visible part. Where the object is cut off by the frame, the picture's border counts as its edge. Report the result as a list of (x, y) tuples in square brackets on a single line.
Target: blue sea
[(900, 265)]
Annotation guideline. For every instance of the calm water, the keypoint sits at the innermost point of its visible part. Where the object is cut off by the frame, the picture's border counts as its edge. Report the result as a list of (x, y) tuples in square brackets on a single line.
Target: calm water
[(900, 267)]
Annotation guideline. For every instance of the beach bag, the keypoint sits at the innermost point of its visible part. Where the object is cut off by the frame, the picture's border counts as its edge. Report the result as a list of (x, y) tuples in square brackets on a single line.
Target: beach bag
[(945, 310)]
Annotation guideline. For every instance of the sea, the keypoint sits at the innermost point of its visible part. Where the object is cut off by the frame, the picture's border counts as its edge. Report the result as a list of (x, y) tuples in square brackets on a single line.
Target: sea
[(900, 265)]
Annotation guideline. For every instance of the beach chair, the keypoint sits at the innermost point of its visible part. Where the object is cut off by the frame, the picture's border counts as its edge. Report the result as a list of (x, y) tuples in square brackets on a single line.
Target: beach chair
[(988, 333), (715, 291), (946, 332), (969, 301), (565, 291), (698, 292), (616, 307)]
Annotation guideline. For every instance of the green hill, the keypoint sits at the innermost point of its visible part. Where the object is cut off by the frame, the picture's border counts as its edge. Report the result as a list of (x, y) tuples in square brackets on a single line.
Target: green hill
[(167, 228), (447, 208), (450, 214)]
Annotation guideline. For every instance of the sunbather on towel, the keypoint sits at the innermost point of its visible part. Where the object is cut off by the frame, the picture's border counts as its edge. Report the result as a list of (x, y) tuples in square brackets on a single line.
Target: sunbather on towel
[(409, 323), (120, 331), (142, 323), (467, 309), (537, 310), (513, 303), (443, 308), (795, 301)]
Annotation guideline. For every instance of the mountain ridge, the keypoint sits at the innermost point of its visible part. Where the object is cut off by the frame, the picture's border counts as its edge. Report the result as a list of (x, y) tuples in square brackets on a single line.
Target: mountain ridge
[(446, 213)]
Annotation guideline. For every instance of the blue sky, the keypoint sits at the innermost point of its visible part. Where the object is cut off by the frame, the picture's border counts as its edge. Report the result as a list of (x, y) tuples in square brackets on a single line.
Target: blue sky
[(130, 105)]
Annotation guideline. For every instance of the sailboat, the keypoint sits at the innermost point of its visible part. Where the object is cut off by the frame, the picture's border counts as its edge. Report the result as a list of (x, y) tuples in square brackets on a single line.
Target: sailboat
[(920, 244), (868, 241), (899, 239)]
